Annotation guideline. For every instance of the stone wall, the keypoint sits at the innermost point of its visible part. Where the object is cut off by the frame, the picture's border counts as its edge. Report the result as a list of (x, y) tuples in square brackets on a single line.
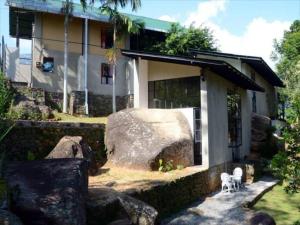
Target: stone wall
[(173, 196), (54, 100), (99, 105), (40, 138)]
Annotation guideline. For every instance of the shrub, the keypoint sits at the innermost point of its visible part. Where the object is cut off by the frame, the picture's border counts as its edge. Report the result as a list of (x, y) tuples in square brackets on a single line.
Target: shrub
[(6, 95), (286, 164)]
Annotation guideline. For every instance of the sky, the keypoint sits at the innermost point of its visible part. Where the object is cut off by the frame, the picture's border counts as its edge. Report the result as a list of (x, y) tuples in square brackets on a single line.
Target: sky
[(240, 26)]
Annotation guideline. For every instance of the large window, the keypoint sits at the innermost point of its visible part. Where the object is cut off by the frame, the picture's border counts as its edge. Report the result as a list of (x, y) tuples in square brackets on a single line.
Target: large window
[(174, 93), (234, 119)]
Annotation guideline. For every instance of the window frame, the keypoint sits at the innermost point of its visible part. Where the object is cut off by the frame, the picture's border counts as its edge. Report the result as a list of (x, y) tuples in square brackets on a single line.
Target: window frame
[(103, 67)]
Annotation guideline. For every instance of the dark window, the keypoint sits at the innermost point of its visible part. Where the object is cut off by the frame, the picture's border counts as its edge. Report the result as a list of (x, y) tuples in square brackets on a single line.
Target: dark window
[(48, 64), (106, 73), (106, 38), (234, 119), (174, 93)]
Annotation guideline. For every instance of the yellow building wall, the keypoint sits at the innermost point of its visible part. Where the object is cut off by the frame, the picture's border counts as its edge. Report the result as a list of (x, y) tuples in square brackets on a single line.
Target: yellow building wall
[(53, 34)]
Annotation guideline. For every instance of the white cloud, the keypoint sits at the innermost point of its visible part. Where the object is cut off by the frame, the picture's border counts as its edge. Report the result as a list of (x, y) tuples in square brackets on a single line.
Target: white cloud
[(168, 18), (205, 11), (257, 38)]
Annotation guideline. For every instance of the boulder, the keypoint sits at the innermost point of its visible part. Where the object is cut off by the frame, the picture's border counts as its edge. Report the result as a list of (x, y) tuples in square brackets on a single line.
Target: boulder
[(112, 207), (261, 218), (75, 147), (50, 191), (139, 212), (259, 126), (8, 218), (29, 110), (139, 138)]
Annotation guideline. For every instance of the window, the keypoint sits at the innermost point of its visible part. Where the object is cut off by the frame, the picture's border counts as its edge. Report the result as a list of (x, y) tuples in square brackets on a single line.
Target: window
[(174, 93), (253, 93), (234, 119), (106, 73), (106, 38), (48, 64)]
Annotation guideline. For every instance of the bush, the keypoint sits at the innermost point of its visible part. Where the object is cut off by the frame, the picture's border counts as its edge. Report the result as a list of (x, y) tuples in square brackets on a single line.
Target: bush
[(6, 95), (286, 164)]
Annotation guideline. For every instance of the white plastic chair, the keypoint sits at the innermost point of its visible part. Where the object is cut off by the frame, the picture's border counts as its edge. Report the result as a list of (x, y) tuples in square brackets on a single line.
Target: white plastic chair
[(226, 182), (237, 177)]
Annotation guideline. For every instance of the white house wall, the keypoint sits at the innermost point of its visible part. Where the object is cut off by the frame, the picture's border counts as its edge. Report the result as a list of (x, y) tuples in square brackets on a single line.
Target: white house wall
[(217, 89)]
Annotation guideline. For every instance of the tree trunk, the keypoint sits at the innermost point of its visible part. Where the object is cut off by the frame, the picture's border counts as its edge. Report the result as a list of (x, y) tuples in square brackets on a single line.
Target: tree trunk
[(65, 94), (114, 71)]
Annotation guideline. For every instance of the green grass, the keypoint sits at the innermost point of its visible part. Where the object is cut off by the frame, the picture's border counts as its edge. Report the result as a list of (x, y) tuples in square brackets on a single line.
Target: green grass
[(61, 117), (283, 207)]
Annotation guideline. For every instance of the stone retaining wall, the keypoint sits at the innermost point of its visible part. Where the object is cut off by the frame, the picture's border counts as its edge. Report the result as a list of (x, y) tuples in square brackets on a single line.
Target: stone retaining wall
[(99, 105), (171, 197), (40, 138)]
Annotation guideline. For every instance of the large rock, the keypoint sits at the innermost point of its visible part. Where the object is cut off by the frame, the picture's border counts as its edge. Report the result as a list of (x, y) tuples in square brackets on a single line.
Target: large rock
[(112, 207), (49, 191), (75, 147), (259, 126), (139, 138), (261, 218), (29, 110), (139, 212), (8, 218)]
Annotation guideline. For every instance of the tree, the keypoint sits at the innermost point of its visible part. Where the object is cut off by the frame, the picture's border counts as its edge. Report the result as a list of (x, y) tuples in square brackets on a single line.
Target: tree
[(67, 10), (121, 25), (287, 53), (286, 164), (180, 40)]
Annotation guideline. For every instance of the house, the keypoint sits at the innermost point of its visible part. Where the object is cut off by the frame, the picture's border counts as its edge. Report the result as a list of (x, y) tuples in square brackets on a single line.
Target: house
[(43, 23), (218, 91)]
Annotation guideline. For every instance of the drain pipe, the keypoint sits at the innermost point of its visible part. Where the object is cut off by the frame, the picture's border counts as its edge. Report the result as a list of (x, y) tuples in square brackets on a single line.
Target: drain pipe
[(85, 66)]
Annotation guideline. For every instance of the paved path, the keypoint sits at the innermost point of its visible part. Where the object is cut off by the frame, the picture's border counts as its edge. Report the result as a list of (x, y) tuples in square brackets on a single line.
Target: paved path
[(223, 208)]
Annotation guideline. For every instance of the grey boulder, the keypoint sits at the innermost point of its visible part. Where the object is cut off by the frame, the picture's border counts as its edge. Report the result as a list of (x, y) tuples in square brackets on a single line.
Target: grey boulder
[(261, 218), (8, 218), (74, 147), (49, 191), (139, 138)]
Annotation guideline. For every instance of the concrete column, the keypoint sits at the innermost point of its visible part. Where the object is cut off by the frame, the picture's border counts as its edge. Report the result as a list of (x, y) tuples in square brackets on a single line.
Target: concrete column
[(140, 76), (204, 121)]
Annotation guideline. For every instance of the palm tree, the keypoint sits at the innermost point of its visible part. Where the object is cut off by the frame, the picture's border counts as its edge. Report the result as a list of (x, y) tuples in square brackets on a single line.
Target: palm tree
[(122, 25), (67, 10)]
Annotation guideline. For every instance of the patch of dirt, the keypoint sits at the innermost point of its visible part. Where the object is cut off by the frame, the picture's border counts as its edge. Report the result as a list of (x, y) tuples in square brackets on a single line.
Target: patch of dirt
[(127, 180)]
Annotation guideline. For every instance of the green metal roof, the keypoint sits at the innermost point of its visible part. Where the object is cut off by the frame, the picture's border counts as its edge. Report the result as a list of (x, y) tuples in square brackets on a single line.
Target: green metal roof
[(93, 13)]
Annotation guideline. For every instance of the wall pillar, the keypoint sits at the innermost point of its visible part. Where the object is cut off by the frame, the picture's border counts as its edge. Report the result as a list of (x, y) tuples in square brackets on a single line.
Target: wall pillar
[(204, 122), (140, 83)]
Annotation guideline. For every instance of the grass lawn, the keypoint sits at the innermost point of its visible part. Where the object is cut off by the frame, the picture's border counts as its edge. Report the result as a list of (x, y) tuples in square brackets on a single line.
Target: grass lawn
[(284, 208), (61, 117)]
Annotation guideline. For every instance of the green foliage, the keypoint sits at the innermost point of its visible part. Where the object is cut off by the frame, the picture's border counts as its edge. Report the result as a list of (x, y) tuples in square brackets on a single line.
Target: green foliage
[(21, 112), (287, 52), (6, 95), (165, 166), (30, 156), (297, 222), (180, 40), (286, 164)]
